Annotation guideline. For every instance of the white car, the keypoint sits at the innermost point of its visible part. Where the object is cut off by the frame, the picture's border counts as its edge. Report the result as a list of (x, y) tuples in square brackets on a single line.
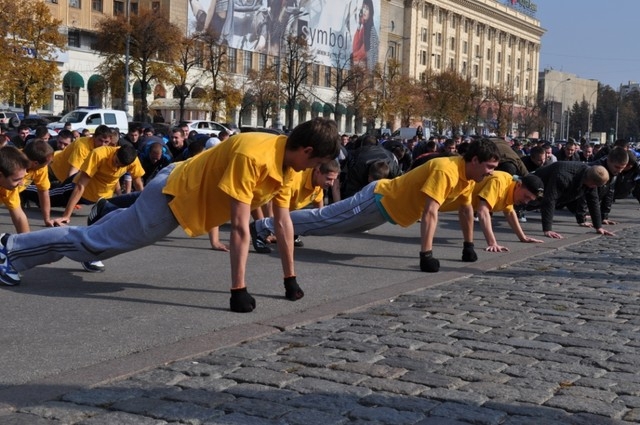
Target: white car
[(207, 127)]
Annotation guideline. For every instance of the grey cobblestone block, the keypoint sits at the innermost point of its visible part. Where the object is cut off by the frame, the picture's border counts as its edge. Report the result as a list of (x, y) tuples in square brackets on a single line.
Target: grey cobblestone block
[(346, 335), (321, 386), (246, 352), (313, 417), (449, 350), (393, 386), (428, 355), (208, 383), (409, 364), (120, 418), (552, 356), (161, 377), (241, 419), (578, 391), (541, 374), (262, 392), (630, 401), (167, 410), (588, 405), (328, 403), (395, 401), (385, 415), (375, 370), (472, 414), (400, 341), (313, 356), (534, 344), (362, 347), (591, 419), (256, 375), (459, 397), (433, 379), (202, 397), (276, 363), (487, 346), (332, 375), (61, 411), (503, 357), (256, 407), (508, 392), (543, 414), (633, 416), (590, 353)]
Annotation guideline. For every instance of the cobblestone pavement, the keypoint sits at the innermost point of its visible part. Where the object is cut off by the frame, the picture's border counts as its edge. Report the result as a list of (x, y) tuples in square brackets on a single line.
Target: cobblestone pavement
[(543, 341)]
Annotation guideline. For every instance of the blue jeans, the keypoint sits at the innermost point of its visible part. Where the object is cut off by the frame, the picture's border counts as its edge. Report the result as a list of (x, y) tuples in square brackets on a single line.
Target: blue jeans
[(357, 213), (146, 221)]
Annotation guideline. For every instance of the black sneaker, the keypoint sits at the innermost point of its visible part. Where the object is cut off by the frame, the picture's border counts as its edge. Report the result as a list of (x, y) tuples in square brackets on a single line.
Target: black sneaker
[(259, 244), (297, 241), (97, 211), (8, 275), (93, 266)]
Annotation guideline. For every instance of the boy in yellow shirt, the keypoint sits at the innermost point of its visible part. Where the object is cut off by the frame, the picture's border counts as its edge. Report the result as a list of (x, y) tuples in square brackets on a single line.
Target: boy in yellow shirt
[(13, 169), (220, 185)]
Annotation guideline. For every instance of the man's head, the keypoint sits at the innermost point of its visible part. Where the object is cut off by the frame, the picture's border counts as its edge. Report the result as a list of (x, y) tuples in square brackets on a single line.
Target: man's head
[(570, 148), (528, 188), (39, 152), (344, 139), (13, 167), (177, 138), (324, 175), (156, 150), (449, 146), (64, 139), (312, 143), (223, 135), (23, 131), (378, 170), (617, 160), (102, 136), (481, 158), (596, 176), (125, 155), (42, 132), (134, 134), (538, 155)]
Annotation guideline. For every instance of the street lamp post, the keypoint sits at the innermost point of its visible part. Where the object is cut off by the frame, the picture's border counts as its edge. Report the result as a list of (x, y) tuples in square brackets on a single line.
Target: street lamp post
[(589, 115), (125, 102), (553, 100)]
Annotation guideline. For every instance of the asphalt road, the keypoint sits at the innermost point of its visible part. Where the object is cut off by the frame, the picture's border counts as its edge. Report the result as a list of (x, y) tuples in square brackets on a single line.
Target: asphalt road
[(64, 327)]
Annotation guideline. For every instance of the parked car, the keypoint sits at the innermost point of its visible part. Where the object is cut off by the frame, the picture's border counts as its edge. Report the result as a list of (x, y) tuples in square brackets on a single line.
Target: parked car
[(33, 121), (206, 127), (248, 129), (233, 127), (92, 118), (9, 119)]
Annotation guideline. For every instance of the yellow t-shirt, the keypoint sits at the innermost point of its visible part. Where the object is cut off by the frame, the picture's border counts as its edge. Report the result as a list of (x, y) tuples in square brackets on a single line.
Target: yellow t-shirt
[(442, 179), (73, 155), (303, 192), (104, 175), (10, 198), (247, 167), (496, 190), (39, 177)]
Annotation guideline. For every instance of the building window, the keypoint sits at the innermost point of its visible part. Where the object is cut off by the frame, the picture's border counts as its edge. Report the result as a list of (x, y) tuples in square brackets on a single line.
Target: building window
[(478, 31), (466, 26), (134, 8), (75, 3), (262, 62), (440, 16), (425, 11), (315, 74), (451, 64), (118, 8), (488, 54), (232, 55), (424, 35), (452, 43), (498, 76), (464, 68), (526, 84), (439, 39), (155, 6), (476, 71), (465, 47), (96, 5), (477, 50), (327, 76), (499, 57), (518, 62), (453, 21), (438, 64), (423, 57), (486, 73), (247, 63), (73, 38)]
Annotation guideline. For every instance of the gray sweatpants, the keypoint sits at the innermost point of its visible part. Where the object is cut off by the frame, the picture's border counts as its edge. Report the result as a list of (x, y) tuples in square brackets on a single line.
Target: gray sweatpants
[(357, 213), (148, 220)]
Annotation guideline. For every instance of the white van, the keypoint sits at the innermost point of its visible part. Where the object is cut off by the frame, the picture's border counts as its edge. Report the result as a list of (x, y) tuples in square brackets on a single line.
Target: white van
[(91, 118)]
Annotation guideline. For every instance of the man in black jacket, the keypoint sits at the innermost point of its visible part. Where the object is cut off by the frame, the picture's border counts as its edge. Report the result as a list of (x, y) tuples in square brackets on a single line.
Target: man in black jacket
[(566, 181)]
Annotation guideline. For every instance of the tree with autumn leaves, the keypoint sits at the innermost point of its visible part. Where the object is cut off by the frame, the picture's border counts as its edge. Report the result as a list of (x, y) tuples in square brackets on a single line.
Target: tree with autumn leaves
[(29, 46)]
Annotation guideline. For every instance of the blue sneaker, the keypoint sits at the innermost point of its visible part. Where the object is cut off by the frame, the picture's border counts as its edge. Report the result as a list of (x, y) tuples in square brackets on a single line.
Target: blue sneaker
[(8, 275), (97, 211)]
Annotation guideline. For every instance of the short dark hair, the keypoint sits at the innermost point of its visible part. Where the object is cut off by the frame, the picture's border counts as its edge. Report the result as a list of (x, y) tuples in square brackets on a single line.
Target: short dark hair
[(65, 134), (102, 130), (11, 160), (536, 150), (41, 130), (618, 155), (321, 134), (38, 150), (484, 149), (378, 170), (332, 166), (126, 154)]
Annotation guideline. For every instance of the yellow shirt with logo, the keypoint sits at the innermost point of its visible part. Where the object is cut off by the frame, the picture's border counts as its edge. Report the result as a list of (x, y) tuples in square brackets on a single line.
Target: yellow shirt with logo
[(442, 179), (303, 192), (72, 156), (246, 167), (39, 178), (99, 165), (496, 190)]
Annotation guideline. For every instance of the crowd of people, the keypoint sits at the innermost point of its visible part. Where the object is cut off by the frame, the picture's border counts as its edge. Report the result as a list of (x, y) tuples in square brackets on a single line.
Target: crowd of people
[(275, 188)]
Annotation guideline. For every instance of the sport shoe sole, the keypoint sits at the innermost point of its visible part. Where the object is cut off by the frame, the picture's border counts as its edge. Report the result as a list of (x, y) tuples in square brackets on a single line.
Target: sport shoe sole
[(9, 277), (93, 266), (96, 211)]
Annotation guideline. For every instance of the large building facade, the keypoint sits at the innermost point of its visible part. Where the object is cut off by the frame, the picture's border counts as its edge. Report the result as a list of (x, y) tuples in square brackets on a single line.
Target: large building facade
[(491, 42)]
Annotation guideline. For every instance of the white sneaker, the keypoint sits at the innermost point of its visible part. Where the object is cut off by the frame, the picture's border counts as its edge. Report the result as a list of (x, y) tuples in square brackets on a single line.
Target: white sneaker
[(93, 266)]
